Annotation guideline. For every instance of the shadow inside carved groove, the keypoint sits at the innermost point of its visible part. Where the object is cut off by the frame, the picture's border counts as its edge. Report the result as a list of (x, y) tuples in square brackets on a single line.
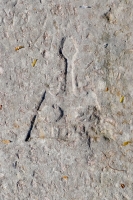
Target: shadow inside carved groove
[(34, 118), (65, 60), (61, 114)]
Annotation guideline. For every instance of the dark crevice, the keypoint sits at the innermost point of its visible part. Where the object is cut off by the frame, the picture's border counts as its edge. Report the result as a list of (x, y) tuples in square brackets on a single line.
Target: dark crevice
[(43, 97), (89, 142), (34, 118), (65, 60), (61, 114)]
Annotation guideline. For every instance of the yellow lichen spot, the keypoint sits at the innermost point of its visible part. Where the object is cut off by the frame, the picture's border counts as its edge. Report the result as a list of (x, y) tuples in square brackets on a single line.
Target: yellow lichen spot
[(65, 177), (106, 89), (16, 125), (41, 136), (121, 99), (19, 47), (6, 141), (34, 62), (126, 143)]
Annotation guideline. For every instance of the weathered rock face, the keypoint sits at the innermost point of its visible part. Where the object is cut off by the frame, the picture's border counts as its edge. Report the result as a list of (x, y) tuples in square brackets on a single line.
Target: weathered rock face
[(66, 99)]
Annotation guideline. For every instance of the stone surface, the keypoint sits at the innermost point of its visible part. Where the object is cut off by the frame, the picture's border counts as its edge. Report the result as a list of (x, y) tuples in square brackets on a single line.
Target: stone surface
[(66, 119)]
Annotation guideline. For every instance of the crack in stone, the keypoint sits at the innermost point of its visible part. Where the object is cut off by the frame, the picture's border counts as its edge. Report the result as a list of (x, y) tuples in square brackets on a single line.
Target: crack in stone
[(34, 118)]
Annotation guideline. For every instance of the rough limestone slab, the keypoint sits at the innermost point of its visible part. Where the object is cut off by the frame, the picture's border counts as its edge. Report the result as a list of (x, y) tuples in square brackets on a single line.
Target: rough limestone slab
[(66, 97)]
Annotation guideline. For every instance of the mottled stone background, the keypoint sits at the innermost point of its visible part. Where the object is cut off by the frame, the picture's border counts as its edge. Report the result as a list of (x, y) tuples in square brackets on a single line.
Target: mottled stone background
[(66, 97)]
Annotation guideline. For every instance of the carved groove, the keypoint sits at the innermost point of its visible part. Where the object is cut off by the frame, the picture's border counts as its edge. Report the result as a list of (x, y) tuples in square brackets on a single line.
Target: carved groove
[(65, 60), (34, 118)]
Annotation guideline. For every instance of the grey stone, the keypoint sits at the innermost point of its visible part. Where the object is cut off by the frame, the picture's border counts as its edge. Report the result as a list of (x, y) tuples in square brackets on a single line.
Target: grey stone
[(66, 121)]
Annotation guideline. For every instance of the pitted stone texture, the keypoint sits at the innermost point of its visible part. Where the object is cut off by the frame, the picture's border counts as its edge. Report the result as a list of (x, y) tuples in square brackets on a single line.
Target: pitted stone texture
[(84, 64)]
